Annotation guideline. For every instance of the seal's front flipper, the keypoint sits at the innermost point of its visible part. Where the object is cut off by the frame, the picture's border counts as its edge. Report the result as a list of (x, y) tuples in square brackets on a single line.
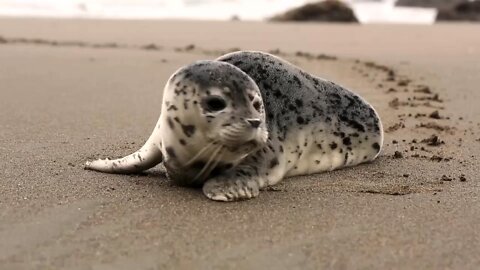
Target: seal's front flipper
[(237, 184), (259, 170)]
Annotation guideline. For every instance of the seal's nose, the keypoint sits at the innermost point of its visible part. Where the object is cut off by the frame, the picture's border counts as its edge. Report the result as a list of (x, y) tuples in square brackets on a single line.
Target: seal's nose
[(255, 123)]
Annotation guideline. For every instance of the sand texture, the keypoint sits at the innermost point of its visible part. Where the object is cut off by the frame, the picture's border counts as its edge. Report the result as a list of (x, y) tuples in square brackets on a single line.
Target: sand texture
[(76, 90)]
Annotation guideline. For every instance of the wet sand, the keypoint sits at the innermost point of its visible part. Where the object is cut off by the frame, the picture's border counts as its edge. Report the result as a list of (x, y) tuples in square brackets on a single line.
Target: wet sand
[(76, 90)]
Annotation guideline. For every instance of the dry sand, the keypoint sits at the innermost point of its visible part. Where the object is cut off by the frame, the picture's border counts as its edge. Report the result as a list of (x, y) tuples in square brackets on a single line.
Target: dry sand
[(74, 90)]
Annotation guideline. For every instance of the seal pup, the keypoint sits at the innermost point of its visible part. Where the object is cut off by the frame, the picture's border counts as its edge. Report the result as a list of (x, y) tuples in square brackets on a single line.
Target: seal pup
[(212, 117), (305, 125)]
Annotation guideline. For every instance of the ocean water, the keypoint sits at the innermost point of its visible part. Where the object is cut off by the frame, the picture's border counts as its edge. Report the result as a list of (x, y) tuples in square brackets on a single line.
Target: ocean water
[(367, 11), (148, 9)]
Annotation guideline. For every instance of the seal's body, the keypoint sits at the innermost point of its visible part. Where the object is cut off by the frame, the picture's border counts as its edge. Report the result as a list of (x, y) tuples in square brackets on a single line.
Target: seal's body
[(250, 119)]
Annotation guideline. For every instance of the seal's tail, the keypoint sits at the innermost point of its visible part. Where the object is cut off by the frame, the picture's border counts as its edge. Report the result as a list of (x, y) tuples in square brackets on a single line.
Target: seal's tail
[(145, 158)]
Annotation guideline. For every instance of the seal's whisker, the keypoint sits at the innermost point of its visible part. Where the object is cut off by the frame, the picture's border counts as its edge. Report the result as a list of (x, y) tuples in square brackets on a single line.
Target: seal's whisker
[(214, 164), (232, 133), (235, 129), (210, 160), (235, 134), (203, 150)]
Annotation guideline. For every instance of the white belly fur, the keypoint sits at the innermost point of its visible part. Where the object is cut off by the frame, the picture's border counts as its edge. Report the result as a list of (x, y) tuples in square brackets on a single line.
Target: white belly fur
[(314, 159)]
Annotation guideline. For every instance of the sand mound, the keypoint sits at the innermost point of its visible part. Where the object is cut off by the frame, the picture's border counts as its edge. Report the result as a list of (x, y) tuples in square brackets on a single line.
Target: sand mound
[(325, 11)]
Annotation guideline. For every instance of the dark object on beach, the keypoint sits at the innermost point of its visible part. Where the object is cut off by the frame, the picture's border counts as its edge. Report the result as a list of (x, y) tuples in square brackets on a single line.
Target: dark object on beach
[(463, 11), (324, 11), (397, 154), (151, 47), (428, 3), (188, 48), (446, 178), (435, 115), (448, 10), (423, 89), (433, 141)]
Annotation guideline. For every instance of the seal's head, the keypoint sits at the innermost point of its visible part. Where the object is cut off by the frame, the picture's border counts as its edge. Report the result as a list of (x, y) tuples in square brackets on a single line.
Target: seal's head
[(213, 103)]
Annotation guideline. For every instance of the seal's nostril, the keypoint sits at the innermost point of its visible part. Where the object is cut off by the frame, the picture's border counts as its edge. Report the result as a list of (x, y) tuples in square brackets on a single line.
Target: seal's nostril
[(255, 123)]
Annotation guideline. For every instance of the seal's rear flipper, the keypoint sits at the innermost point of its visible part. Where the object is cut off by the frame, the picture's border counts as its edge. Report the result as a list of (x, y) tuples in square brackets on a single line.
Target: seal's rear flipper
[(145, 158)]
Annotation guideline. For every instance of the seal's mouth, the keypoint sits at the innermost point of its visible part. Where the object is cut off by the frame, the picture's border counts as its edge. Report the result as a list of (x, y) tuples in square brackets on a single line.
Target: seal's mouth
[(243, 141), (239, 139), (248, 146)]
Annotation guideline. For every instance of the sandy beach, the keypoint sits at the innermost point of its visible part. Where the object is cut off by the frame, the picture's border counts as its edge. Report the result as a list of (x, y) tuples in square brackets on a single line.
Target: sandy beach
[(73, 90)]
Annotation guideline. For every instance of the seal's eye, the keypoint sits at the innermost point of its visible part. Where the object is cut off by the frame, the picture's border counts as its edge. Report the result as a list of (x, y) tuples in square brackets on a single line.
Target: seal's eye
[(214, 103)]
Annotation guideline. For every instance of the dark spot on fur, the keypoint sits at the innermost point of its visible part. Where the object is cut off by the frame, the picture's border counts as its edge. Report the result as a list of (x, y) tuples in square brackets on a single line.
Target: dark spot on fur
[(189, 130), (298, 102), (300, 120), (352, 123), (170, 122), (333, 145), (172, 107), (171, 152), (273, 163), (237, 63), (295, 78), (347, 141), (182, 142), (376, 146)]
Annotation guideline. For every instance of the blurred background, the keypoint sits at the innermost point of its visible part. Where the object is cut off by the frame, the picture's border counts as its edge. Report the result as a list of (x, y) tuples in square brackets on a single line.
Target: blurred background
[(363, 11), (89, 85)]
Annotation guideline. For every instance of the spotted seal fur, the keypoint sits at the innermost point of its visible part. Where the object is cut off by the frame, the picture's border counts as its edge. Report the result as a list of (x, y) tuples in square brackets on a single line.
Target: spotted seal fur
[(248, 120)]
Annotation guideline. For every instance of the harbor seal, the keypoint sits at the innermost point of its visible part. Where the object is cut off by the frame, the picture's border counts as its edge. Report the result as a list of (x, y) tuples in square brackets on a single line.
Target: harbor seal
[(248, 120)]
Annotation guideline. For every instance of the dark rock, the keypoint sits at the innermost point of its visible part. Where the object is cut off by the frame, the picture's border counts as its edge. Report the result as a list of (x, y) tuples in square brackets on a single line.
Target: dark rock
[(428, 3), (433, 141), (324, 11), (397, 154), (446, 178), (435, 115), (462, 11)]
